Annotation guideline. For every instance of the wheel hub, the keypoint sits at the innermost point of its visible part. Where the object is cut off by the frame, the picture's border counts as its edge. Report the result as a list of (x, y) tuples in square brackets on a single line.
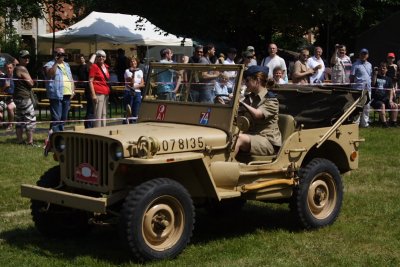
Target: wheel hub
[(160, 222), (163, 223), (321, 196)]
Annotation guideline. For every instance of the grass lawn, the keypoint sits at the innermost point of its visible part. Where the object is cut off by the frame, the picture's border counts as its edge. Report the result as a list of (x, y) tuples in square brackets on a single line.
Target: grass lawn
[(367, 232)]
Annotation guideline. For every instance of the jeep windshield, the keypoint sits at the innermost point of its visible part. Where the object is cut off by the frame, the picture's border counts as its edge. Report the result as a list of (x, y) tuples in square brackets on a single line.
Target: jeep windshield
[(185, 93), (198, 94)]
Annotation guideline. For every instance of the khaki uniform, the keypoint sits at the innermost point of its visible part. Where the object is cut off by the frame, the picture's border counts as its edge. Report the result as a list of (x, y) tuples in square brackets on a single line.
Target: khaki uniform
[(264, 133)]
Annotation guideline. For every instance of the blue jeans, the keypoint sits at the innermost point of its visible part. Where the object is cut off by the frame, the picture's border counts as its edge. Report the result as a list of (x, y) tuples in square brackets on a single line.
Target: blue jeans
[(59, 109), (89, 109), (133, 99), (203, 95)]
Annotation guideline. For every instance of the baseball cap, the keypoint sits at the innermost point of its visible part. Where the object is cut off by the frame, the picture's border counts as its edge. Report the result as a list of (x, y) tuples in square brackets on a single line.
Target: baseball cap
[(247, 54), (391, 55), (100, 53), (364, 51), (254, 69), (24, 53), (250, 48)]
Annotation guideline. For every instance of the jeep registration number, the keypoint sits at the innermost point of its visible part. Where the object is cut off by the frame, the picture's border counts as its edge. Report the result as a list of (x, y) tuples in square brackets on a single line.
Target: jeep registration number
[(182, 144)]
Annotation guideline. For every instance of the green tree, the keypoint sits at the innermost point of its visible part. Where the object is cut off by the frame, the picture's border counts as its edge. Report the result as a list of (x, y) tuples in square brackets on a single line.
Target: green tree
[(257, 22), (19, 9), (14, 10)]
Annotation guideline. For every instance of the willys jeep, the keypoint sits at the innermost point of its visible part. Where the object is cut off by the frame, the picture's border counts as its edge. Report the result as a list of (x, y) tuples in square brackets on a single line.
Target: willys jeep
[(148, 177)]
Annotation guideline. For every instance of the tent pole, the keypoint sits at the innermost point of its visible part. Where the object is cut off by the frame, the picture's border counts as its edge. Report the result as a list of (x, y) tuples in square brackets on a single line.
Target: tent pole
[(147, 55), (36, 41)]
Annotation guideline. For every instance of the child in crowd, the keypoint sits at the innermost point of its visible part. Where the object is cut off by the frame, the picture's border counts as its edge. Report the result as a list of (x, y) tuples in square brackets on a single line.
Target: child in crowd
[(277, 75)]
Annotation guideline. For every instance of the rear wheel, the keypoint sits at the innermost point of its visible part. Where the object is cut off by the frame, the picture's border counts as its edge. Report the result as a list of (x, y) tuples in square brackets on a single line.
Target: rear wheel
[(318, 198), (157, 219), (54, 220)]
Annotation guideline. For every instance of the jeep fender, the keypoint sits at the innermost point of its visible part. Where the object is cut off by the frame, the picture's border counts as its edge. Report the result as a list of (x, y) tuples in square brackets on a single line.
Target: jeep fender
[(191, 169)]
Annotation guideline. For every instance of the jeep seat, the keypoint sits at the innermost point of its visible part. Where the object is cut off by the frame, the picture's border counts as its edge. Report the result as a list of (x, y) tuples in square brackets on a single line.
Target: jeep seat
[(287, 126)]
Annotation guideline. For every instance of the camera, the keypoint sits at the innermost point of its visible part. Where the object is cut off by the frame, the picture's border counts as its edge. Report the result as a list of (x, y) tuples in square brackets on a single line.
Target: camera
[(57, 55)]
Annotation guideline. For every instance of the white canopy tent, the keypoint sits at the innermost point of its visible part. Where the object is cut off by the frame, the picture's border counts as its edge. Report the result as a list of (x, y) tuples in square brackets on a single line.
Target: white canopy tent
[(112, 31)]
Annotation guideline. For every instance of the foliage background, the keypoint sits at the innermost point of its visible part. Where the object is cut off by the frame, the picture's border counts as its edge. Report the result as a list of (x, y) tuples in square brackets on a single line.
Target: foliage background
[(234, 23)]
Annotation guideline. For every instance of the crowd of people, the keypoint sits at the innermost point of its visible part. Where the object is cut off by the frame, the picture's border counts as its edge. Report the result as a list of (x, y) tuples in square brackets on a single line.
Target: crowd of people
[(93, 74), (381, 82)]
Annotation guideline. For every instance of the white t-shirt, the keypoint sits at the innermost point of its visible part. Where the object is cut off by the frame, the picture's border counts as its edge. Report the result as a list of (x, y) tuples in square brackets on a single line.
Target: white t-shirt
[(281, 81), (274, 62), (318, 76), (137, 79), (231, 74)]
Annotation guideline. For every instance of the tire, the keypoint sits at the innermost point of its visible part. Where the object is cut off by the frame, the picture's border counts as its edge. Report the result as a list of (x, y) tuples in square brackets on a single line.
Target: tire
[(317, 199), (54, 220), (157, 220)]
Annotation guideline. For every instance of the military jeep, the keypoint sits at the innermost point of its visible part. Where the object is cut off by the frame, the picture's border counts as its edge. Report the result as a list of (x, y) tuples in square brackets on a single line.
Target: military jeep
[(148, 177)]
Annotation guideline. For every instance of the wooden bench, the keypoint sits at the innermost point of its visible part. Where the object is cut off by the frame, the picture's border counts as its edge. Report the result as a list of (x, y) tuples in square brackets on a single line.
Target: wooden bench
[(77, 103), (45, 103), (117, 97)]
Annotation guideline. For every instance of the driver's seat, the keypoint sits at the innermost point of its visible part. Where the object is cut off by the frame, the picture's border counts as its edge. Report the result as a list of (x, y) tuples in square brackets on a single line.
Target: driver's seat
[(287, 125)]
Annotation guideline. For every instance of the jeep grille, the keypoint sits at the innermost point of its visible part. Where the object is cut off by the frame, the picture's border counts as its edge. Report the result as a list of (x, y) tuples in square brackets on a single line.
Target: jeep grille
[(87, 150)]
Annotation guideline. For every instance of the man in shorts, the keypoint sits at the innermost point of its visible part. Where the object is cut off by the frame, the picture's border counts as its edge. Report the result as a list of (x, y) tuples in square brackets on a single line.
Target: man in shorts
[(25, 113)]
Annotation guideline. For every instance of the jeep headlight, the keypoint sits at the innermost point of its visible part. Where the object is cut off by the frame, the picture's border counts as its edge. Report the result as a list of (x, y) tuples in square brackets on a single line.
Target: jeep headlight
[(116, 151), (59, 143)]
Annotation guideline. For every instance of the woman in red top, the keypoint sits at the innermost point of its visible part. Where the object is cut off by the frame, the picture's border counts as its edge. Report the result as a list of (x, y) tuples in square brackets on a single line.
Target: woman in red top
[(98, 78)]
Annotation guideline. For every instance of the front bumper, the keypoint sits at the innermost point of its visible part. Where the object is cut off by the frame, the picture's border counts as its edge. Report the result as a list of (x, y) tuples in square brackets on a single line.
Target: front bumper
[(71, 200)]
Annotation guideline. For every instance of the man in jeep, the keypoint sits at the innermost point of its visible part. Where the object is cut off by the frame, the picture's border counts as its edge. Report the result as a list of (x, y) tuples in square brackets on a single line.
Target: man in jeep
[(263, 137)]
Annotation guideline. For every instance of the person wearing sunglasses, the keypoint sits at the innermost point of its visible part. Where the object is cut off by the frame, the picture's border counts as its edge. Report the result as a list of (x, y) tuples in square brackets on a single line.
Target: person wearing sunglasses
[(301, 71), (60, 89)]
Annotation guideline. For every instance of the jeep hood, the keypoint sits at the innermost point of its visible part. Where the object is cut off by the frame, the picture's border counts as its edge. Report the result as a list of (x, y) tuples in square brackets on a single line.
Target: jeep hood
[(170, 137)]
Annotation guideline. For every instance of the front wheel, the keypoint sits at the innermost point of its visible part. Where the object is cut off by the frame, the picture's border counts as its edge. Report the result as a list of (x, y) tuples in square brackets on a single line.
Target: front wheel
[(157, 219), (54, 220), (317, 200)]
